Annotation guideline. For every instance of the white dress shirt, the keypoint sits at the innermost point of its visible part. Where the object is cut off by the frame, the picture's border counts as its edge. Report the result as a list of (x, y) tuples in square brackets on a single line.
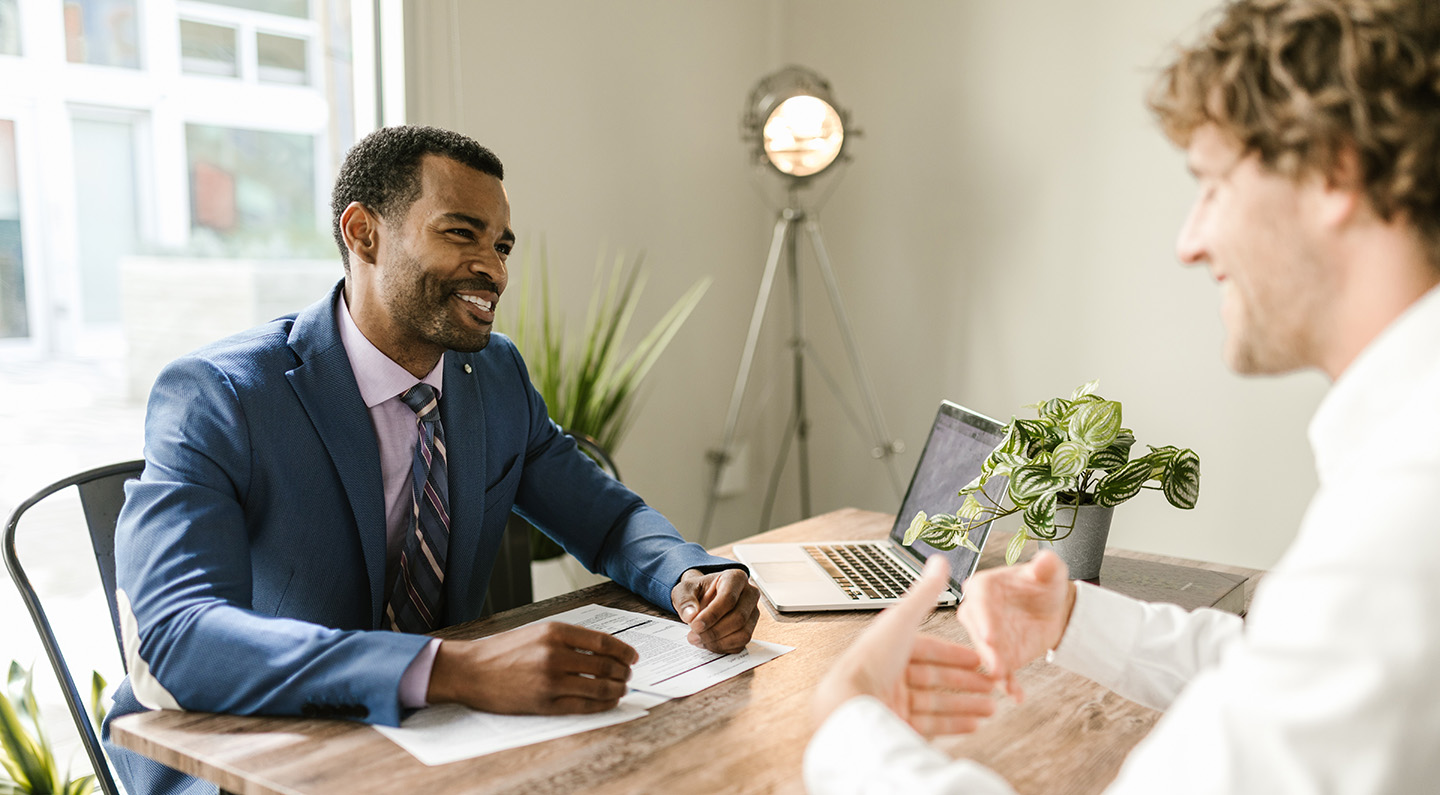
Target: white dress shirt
[(1332, 685)]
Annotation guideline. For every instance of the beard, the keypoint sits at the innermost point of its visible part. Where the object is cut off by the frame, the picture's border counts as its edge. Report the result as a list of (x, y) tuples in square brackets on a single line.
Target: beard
[(426, 305)]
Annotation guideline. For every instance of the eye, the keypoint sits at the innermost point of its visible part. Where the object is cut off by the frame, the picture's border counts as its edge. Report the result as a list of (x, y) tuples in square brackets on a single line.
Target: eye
[(504, 249), (461, 232)]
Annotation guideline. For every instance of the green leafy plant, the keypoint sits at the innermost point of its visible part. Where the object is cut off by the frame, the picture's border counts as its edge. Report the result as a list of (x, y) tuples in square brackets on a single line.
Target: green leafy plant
[(590, 382), (1076, 452), (29, 762)]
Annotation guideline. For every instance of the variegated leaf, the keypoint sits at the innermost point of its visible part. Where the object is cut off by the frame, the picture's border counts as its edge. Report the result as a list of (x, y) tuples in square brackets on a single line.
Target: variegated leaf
[(1159, 458), (1055, 409), (1040, 514), (1181, 481), (917, 526), (1123, 483), (970, 509), (1016, 546), (1029, 482), (1087, 388), (1068, 459), (1096, 424)]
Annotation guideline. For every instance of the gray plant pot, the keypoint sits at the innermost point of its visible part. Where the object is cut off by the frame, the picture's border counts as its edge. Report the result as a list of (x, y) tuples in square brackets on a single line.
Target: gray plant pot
[(1083, 550)]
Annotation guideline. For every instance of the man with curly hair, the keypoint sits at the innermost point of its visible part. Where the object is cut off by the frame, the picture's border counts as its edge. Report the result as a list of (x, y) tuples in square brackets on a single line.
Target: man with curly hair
[(1313, 130), (323, 492)]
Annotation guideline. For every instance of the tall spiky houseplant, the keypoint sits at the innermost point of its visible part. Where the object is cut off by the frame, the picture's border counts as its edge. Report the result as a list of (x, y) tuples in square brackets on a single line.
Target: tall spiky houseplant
[(590, 381), (29, 763)]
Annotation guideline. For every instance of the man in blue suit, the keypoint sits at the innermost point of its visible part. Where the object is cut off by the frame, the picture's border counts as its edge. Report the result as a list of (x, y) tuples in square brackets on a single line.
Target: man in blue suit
[(278, 557)]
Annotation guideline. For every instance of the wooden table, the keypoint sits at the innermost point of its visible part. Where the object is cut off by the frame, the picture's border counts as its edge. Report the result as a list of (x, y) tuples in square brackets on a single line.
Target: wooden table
[(744, 735)]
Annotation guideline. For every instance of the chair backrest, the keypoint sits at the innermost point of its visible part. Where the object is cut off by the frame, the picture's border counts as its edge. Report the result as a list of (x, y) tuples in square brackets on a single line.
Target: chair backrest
[(102, 492), (510, 582)]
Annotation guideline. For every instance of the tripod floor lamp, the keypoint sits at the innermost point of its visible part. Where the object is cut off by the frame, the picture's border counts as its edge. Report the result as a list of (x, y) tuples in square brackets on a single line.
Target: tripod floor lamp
[(797, 131)]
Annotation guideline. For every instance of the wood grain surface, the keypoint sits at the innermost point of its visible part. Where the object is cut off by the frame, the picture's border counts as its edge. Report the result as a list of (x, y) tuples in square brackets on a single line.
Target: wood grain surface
[(744, 735)]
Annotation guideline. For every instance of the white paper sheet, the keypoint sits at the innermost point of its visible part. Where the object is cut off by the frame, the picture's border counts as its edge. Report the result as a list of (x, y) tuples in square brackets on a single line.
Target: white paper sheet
[(669, 667)]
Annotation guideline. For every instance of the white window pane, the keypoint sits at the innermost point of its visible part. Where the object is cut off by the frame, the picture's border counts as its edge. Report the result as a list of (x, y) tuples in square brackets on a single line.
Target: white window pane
[(102, 32), (105, 207), (9, 27), (290, 8), (252, 193), (207, 49), (282, 59), (14, 320)]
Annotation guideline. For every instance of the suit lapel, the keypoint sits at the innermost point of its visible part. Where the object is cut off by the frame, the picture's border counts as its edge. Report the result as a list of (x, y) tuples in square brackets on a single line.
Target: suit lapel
[(462, 410), (326, 387)]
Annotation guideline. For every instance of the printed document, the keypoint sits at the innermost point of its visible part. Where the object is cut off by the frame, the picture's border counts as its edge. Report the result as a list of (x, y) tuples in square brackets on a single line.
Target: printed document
[(669, 667)]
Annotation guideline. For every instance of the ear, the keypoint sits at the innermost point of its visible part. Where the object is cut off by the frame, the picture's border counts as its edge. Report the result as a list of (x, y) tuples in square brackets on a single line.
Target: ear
[(361, 230), (1343, 189)]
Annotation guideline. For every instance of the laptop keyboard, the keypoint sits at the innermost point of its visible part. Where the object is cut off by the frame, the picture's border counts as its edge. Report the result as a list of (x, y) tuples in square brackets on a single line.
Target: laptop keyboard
[(862, 571)]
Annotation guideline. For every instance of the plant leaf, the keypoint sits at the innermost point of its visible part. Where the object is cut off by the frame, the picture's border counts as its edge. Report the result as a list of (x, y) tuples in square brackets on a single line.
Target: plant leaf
[(1096, 424), (1181, 481), (1016, 546), (1087, 388), (917, 526), (1116, 455), (1123, 483), (1068, 459), (1030, 481), (1040, 516)]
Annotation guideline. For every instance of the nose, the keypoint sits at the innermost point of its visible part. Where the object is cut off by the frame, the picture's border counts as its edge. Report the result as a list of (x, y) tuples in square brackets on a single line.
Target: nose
[(1189, 245), (493, 266)]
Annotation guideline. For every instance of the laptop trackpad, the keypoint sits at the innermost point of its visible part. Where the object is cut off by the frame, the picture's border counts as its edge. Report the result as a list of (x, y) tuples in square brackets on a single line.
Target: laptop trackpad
[(787, 572)]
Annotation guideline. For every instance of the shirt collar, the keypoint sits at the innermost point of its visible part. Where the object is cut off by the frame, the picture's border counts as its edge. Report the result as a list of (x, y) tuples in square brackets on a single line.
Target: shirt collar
[(1378, 385), (377, 375)]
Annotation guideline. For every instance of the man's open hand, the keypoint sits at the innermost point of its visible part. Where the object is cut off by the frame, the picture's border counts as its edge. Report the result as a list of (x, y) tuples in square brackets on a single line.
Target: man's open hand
[(933, 684), (1017, 613), (542, 669), (721, 608)]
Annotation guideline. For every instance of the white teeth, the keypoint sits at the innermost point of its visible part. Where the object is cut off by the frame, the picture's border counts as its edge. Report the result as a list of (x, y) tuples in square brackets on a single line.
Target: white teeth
[(480, 302)]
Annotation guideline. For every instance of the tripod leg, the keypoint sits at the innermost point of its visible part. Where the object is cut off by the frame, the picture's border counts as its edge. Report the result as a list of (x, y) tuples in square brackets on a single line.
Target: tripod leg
[(747, 361), (885, 446)]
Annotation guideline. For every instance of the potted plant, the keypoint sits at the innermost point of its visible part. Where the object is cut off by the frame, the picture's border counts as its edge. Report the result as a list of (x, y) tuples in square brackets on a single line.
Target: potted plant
[(26, 756), (1064, 472), (590, 383)]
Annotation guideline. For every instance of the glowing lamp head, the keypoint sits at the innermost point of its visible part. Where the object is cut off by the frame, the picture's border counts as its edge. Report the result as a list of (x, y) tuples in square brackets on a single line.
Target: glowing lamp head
[(793, 123)]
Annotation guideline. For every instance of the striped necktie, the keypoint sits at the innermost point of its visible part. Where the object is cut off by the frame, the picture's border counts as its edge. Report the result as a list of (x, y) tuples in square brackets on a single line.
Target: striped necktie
[(417, 599)]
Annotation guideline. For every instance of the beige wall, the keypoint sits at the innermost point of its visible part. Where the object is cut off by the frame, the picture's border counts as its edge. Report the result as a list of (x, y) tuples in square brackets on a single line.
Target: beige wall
[(1004, 232)]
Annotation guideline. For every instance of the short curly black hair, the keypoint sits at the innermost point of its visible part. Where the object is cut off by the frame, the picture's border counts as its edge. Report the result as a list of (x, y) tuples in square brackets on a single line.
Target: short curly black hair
[(1297, 81), (382, 171)]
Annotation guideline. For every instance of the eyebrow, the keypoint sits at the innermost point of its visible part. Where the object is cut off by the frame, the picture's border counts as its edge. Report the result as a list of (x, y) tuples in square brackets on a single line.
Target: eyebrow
[(507, 236)]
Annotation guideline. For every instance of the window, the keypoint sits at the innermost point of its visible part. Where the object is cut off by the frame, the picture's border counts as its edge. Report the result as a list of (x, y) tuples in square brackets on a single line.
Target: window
[(207, 49), (9, 28), (102, 32), (14, 321), (252, 193), (282, 59), (290, 8)]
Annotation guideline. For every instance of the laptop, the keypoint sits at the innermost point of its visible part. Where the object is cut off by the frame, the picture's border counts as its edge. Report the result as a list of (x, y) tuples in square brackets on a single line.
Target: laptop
[(869, 575)]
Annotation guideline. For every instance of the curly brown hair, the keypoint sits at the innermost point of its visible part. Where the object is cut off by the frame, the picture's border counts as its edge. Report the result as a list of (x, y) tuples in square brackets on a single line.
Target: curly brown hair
[(1299, 81)]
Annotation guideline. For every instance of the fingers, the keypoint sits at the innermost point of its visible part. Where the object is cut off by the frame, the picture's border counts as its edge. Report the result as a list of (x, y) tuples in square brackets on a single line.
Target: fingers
[(719, 595), (598, 643), (899, 622), (1047, 567)]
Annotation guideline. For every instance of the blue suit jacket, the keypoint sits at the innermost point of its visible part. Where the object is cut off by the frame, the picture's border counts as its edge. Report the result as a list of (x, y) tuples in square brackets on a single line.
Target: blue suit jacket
[(252, 549)]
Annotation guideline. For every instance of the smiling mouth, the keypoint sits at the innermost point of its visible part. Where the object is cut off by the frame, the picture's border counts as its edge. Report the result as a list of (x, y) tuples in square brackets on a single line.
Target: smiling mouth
[(488, 306)]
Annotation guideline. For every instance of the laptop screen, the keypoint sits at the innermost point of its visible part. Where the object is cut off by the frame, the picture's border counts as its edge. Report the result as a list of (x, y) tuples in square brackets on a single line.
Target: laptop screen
[(960, 440)]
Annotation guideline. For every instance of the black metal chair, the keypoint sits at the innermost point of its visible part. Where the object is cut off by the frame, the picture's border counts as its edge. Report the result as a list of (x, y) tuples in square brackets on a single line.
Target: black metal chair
[(102, 492), (510, 583)]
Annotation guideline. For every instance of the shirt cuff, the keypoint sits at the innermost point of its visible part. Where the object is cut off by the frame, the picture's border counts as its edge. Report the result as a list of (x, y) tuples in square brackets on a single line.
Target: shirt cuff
[(1102, 630), (863, 747), (415, 684)]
